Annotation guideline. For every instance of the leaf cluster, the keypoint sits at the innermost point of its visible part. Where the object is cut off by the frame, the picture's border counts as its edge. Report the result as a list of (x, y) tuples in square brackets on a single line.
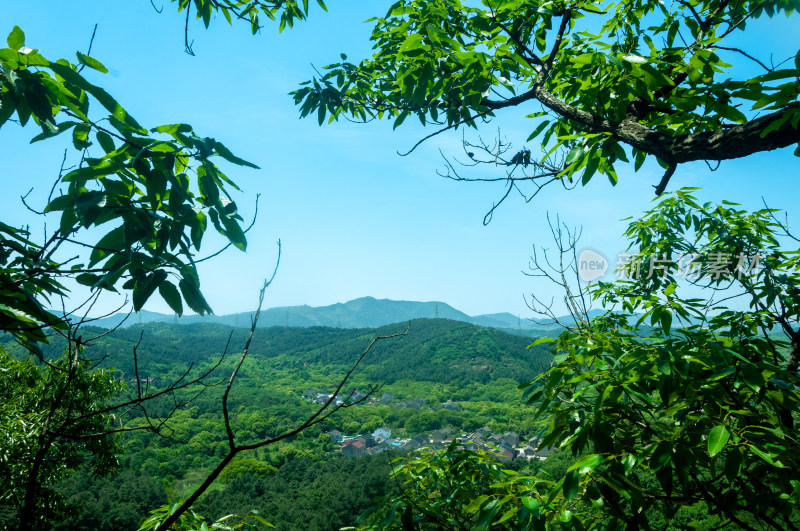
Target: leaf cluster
[(150, 193)]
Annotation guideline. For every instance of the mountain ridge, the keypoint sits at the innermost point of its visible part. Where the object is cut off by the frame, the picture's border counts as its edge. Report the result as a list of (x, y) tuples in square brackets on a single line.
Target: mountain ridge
[(363, 312)]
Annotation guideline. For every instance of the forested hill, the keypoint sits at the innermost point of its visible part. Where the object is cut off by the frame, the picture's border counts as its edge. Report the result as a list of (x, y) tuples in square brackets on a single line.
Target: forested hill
[(437, 350), (365, 312)]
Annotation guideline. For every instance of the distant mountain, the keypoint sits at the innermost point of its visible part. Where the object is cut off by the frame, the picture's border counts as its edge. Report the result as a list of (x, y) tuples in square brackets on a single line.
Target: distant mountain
[(365, 312)]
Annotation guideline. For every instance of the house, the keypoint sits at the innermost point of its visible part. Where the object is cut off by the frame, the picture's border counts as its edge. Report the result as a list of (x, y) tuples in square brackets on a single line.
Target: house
[(356, 395), (415, 403), (505, 446), (310, 394), (440, 435), (322, 398), (381, 447), (411, 444), (452, 406), (504, 456), (470, 445), (511, 438), (386, 399), (421, 440), (378, 450), (354, 449), (494, 439), (526, 453), (382, 433), (336, 436), (541, 451)]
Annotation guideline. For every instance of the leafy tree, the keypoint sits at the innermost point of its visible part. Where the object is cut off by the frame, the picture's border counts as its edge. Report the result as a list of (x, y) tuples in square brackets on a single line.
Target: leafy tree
[(149, 195), (696, 412), (459, 488), (659, 78), (157, 190), (48, 427), (709, 406)]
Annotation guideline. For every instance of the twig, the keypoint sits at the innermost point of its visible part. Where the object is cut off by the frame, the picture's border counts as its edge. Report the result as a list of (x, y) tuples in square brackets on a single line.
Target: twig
[(89, 51)]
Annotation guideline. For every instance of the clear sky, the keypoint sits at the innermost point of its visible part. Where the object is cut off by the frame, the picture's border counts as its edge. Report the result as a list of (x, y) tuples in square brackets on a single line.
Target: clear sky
[(355, 218)]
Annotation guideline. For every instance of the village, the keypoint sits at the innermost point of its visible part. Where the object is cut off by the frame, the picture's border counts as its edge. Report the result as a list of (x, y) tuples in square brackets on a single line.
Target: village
[(506, 447)]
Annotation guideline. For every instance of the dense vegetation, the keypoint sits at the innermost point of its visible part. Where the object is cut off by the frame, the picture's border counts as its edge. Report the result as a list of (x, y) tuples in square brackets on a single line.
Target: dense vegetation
[(709, 410), (437, 361)]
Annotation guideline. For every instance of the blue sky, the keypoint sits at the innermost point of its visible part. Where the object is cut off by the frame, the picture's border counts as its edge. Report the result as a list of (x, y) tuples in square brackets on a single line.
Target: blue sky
[(355, 218)]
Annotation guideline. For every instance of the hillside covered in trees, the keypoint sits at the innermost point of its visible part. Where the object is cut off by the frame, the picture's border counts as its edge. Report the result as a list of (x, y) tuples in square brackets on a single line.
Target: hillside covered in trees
[(435, 362)]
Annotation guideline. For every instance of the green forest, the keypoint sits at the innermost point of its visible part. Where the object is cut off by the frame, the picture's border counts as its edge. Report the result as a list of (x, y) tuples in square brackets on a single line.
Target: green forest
[(437, 361)]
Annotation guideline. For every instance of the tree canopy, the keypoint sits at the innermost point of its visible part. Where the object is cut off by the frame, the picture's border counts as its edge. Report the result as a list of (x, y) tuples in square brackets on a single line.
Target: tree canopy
[(669, 404), (616, 82)]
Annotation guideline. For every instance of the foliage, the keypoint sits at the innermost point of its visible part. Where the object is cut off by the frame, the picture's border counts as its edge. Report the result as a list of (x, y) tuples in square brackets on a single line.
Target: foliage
[(459, 488), (709, 406), (115, 502), (48, 415), (267, 401), (191, 521), (247, 11), (151, 193), (436, 351), (668, 421), (314, 494), (659, 78)]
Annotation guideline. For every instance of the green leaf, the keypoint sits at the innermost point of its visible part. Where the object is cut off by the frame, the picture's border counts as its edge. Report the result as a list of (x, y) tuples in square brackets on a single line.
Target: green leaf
[(145, 287), (208, 188), (171, 295), (80, 136), (475, 505), (753, 377), (225, 153), (539, 128), (532, 504), (400, 119), (666, 321), (733, 464), (661, 456), (105, 99), (412, 42), (575, 154), (540, 341), (234, 233), (16, 39), (60, 203), (109, 244), (587, 463), (717, 439), (91, 62), (629, 462), (571, 483), (105, 141), (591, 167), (193, 297)]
